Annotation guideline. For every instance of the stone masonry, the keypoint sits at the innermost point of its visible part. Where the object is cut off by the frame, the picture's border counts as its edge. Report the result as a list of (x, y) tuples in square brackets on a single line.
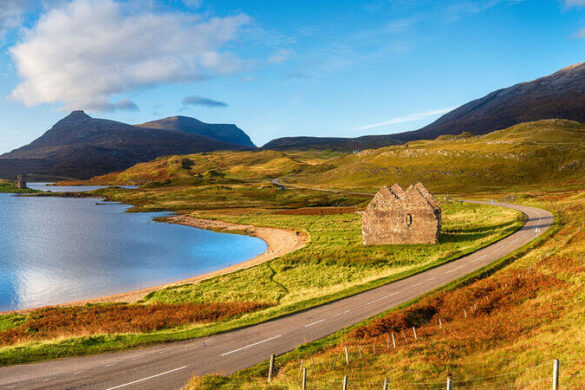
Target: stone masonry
[(395, 216), (20, 183)]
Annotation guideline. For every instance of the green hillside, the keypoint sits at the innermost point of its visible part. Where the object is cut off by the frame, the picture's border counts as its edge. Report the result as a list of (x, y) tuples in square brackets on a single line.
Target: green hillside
[(525, 156)]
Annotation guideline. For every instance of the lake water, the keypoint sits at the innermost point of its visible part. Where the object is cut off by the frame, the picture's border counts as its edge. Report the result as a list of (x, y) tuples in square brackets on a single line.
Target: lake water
[(55, 250), (49, 187)]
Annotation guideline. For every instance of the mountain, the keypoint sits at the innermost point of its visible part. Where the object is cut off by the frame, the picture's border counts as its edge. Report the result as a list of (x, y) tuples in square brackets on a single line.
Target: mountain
[(331, 143), (79, 146), (560, 95), (222, 132)]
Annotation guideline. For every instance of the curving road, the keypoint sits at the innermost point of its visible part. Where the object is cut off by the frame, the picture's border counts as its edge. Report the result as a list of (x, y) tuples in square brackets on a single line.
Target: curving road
[(170, 366)]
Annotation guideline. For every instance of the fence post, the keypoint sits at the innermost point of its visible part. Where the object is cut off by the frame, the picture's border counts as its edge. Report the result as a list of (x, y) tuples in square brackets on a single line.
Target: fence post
[(304, 385), (440, 324), (393, 340), (345, 382), (414, 331), (449, 382), (555, 385), (387, 342), (385, 384), (346, 356), (301, 368), (270, 368)]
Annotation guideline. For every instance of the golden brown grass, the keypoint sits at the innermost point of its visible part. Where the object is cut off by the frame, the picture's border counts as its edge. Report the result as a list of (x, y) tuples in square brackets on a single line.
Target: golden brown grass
[(53, 322)]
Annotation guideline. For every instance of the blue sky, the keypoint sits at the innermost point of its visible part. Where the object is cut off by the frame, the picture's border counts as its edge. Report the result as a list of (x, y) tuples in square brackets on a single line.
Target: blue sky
[(274, 68)]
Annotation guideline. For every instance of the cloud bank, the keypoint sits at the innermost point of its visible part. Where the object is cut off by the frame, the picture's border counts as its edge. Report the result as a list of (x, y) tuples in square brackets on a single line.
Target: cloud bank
[(84, 53), (201, 101)]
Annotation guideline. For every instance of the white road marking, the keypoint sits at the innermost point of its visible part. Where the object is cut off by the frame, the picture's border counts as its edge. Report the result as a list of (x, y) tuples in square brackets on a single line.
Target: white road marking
[(145, 379), (479, 258), (455, 269), (417, 284), (384, 297), (339, 314), (250, 346), (314, 323), (111, 364)]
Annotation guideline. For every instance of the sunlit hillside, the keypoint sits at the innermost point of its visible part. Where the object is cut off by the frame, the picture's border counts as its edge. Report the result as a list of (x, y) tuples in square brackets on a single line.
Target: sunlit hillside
[(529, 155)]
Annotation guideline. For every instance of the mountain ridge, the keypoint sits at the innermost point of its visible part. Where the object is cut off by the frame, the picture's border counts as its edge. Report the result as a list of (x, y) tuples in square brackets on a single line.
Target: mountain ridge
[(79, 146)]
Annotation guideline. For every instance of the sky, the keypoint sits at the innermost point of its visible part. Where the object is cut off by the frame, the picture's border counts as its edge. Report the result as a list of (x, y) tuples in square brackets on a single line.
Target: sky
[(334, 68)]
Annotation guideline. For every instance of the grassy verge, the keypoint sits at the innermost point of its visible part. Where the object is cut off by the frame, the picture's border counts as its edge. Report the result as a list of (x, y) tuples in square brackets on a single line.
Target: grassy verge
[(420, 361), (334, 249), (7, 186)]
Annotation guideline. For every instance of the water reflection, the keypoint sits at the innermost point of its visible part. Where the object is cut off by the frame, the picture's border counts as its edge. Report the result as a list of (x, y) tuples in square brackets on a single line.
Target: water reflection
[(54, 250)]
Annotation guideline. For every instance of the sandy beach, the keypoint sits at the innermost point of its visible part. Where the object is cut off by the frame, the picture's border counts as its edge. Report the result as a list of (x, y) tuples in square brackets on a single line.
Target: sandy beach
[(279, 242)]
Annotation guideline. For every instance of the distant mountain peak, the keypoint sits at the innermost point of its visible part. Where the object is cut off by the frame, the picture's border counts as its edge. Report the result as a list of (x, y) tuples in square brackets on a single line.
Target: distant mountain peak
[(76, 115), (219, 131)]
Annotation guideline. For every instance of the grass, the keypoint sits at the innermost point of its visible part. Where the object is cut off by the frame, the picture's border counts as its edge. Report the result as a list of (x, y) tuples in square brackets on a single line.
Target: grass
[(519, 158), (336, 260), (7, 186), (89, 320), (294, 282), (183, 198), (497, 332)]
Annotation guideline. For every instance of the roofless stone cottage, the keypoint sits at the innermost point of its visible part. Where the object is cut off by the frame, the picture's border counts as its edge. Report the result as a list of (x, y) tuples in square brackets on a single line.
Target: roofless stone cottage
[(395, 216), (19, 182)]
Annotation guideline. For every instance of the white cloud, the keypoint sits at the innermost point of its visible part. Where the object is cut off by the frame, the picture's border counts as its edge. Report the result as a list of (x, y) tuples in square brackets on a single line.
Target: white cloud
[(84, 53), (407, 118), (11, 14), (281, 56)]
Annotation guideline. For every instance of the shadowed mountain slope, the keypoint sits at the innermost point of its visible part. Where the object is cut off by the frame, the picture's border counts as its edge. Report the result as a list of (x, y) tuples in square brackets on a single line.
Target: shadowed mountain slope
[(560, 95), (79, 146), (222, 132)]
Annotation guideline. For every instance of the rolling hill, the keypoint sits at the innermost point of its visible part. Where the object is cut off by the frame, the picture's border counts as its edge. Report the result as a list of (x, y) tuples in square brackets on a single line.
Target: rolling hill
[(79, 146), (331, 143), (544, 153)]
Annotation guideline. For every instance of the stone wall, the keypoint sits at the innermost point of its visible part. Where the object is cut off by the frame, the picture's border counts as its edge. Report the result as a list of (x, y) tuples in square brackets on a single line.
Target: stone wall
[(19, 182), (395, 216)]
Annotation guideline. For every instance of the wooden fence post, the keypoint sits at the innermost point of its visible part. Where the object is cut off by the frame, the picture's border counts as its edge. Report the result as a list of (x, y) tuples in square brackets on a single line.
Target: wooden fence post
[(345, 382), (393, 340), (414, 332), (301, 368), (449, 382), (440, 324), (270, 368), (385, 384), (387, 342), (555, 384), (304, 384), (346, 356)]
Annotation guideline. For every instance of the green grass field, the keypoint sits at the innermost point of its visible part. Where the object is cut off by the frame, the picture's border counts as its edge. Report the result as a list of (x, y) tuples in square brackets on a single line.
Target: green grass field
[(519, 319), (333, 265)]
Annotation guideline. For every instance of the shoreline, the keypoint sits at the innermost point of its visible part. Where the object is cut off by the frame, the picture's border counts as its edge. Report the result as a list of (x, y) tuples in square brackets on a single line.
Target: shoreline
[(279, 242)]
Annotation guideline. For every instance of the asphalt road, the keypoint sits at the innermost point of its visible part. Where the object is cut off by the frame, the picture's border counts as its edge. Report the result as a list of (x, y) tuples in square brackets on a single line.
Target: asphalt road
[(170, 366)]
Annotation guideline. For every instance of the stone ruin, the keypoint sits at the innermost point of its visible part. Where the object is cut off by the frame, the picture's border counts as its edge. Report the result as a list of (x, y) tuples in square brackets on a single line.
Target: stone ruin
[(395, 216), (20, 183)]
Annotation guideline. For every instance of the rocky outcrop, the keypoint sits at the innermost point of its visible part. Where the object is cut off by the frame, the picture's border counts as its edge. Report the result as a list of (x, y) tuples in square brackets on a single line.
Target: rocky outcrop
[(395, 216)]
